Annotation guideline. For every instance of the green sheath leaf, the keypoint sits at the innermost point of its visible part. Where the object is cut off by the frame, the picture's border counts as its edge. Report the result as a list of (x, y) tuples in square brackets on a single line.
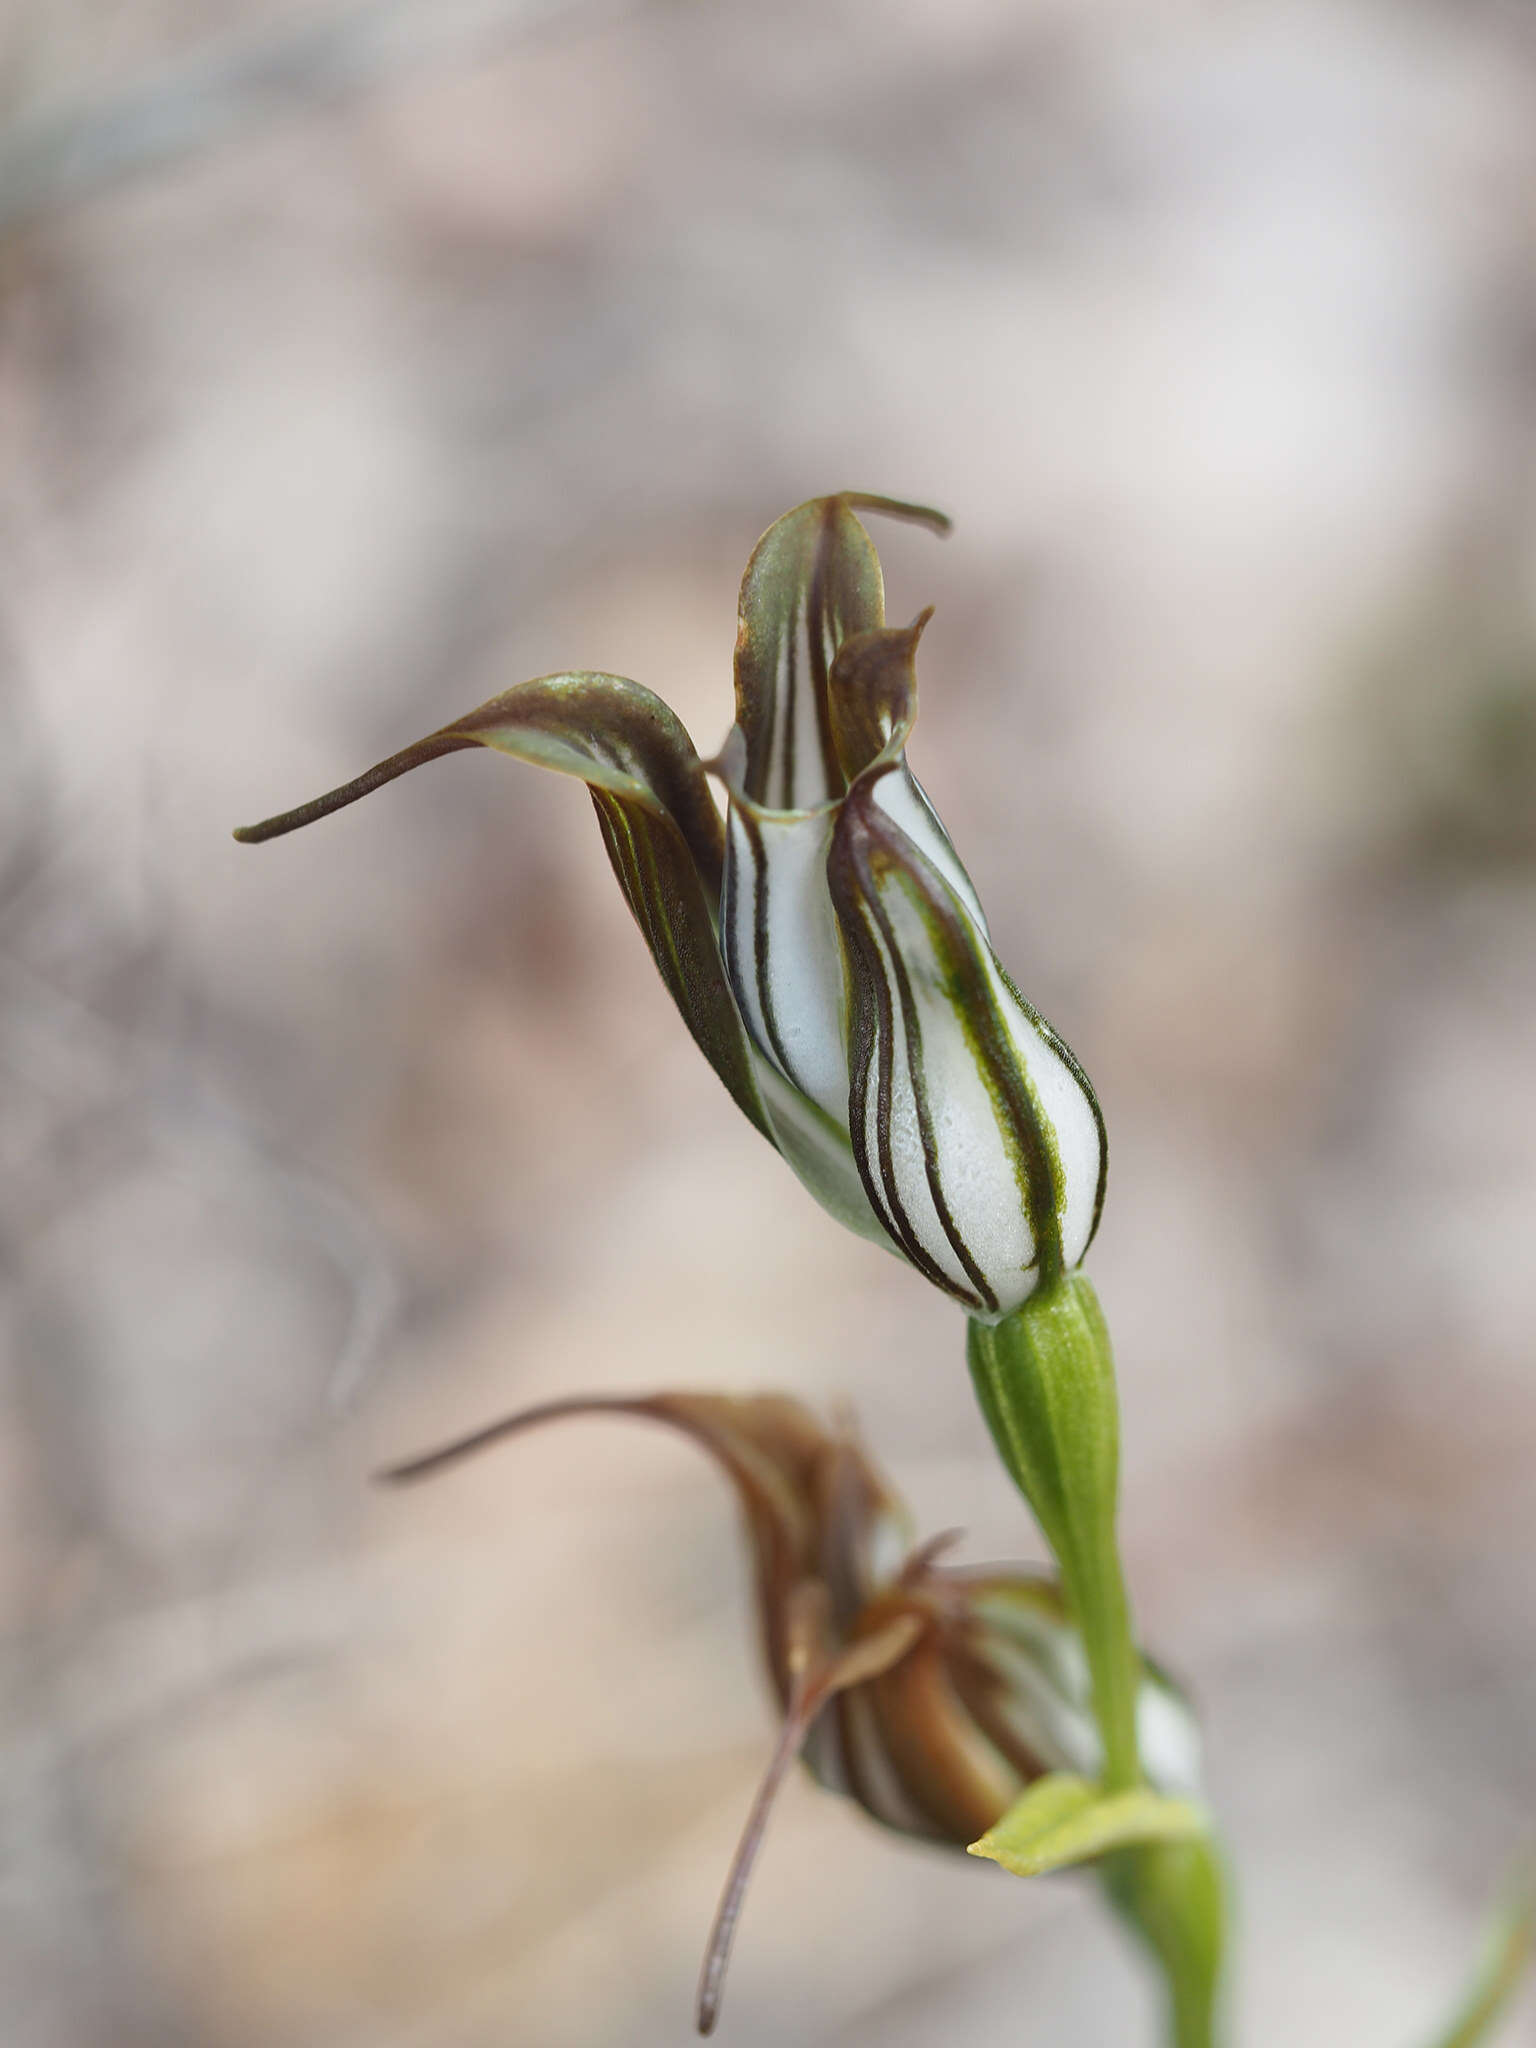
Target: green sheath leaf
[(1173, 1896), (1062, 1820)]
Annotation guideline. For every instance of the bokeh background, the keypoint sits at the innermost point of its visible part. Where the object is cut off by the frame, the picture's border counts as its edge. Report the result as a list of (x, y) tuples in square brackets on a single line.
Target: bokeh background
[(359, 360)]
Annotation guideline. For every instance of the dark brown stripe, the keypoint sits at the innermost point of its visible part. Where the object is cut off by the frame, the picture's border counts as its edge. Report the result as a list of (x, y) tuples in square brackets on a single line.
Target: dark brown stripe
[(786, 719), (820, 626), (863, 1039), (983, 1297), (887, 1199), (760, 940), (976, 1008)]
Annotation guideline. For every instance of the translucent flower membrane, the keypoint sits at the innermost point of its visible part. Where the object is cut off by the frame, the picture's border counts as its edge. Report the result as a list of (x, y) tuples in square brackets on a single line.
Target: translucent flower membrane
[(823, 942), (931, 1694)]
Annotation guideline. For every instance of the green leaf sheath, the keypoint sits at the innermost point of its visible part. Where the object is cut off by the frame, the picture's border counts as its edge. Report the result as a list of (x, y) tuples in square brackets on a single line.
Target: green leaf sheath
[(659, 824), (1045, 1379), (1172, 1894), (1062, 1820)]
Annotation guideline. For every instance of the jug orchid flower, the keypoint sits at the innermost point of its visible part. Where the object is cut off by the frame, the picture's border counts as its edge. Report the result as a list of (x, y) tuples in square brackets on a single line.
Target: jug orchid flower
[(931, 1694), (823, 942)]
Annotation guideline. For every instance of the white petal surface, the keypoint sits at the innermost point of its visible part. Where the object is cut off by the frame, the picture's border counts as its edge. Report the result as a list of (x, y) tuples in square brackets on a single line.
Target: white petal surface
[(1168, 1736), (978, 1138), (923, 1065), (1069, 1110), (782, 955), (905, 802), (817, 1150)]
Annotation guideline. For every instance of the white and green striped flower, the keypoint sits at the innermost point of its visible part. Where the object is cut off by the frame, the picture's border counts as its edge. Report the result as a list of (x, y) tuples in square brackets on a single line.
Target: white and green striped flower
[(823, 942)]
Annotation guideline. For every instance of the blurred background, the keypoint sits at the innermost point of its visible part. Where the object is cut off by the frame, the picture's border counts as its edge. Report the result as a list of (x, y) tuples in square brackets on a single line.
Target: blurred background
[(357, 360)]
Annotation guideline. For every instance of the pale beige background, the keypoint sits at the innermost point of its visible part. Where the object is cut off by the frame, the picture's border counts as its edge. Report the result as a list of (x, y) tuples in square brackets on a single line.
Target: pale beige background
[(356, 362)]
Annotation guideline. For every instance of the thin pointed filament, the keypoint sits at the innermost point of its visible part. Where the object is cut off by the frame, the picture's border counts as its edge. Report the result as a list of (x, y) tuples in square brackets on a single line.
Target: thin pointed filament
[(429, 749), (804, 1701), (513, 1425)]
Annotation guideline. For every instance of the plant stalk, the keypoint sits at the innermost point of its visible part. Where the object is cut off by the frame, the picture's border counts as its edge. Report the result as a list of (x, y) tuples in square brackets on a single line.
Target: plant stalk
[(1045, 1378)]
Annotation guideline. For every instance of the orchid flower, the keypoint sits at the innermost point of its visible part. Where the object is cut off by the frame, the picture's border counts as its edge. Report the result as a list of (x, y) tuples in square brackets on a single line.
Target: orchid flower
[(824, 944), (828, 952), (931, 1694)]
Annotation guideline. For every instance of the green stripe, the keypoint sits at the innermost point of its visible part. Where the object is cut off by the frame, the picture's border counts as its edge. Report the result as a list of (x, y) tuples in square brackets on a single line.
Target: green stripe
[(873, 849), (984, 1297)]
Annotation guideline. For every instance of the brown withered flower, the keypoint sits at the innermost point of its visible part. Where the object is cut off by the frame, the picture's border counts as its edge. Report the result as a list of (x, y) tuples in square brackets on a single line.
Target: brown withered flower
[(931, 1693)]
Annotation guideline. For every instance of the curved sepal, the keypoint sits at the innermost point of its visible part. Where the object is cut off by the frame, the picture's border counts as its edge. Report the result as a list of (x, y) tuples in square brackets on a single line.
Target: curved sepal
[(813, 581), (818, 1676), (872, 697), (659, 824), (816, 1508)]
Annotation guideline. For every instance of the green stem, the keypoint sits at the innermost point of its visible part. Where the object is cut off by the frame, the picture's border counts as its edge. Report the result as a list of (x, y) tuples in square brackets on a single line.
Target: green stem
[(1095, 1587), (1173, 1897), (1045, 1378)]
